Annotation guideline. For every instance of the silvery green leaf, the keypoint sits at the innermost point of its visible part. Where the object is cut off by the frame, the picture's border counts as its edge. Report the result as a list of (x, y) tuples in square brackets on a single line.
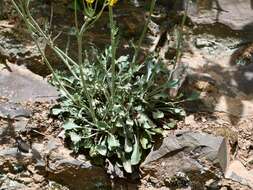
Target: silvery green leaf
[(128, 145), (158, 115), (144, 140), (129, 122), (160, 96), (136, 155), (147, 126), (169, 125), (142, 118), (112, 142), (70, 125), (57, 111), (101, 147), (102, 125), (126, 164), (179, 111), (93, 151), (118, 124), (122, 58), (138, 108), (150, 68), (75, 138), (158, 131), (172, 83)]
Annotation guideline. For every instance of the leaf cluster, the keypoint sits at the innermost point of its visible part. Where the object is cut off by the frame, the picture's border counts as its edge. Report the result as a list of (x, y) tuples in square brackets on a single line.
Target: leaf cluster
[(122, 126)]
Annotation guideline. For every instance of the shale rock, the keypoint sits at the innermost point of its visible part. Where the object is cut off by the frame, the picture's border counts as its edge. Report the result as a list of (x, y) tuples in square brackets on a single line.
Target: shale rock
[(18, 84), (186, 159)]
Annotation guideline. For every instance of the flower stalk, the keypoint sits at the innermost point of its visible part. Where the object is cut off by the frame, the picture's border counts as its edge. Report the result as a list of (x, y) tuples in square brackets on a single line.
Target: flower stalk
[(113, 51), (144, 31)]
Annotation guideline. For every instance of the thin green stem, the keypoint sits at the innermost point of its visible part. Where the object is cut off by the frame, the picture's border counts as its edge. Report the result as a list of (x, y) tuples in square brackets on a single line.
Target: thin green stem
[(64, 55), (137, 48), (30, 25), (96, 18), (53, 72), (113, 46), (79, 36)]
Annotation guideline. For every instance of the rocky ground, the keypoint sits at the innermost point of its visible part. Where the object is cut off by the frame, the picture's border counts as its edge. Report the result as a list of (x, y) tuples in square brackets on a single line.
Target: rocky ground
[(212, 148)]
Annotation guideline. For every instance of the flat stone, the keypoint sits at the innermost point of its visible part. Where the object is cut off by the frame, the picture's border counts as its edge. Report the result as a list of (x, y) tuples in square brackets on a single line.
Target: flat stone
[(76, 173), (230, 90), (20, 125), (13, 110), (18, 84), (9, 152), (237, 15), (52, 144), (12, 48), (237, 172), (183, 153)]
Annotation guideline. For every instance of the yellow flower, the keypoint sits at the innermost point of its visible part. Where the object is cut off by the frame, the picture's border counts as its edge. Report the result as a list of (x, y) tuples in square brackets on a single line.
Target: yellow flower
[(112, 2), (90, 1)]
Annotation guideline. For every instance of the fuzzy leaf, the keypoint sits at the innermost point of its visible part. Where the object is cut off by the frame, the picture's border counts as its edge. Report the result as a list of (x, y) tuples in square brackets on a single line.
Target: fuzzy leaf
[(75, 138), (145, 142), (160, 96), (150, 68), (179, 111), (143, 118), (136, 155), (102, 125), (57, 111), (169, 125), (70, 125), (158, 115), (112, 142), (129, 122), (172, 83), (93, 151), (102, 149), (126, 164), (158, 131), (128, 146)]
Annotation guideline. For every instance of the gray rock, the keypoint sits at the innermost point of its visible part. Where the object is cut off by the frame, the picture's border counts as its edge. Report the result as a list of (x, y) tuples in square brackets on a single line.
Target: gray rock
[(20, 85), (237, 172), (187, 153), (170, 144), (9, 184), (20, 125), (235, 14), (53, 144), (13, 49), (201, 144), (9, 152), (13, 110)]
